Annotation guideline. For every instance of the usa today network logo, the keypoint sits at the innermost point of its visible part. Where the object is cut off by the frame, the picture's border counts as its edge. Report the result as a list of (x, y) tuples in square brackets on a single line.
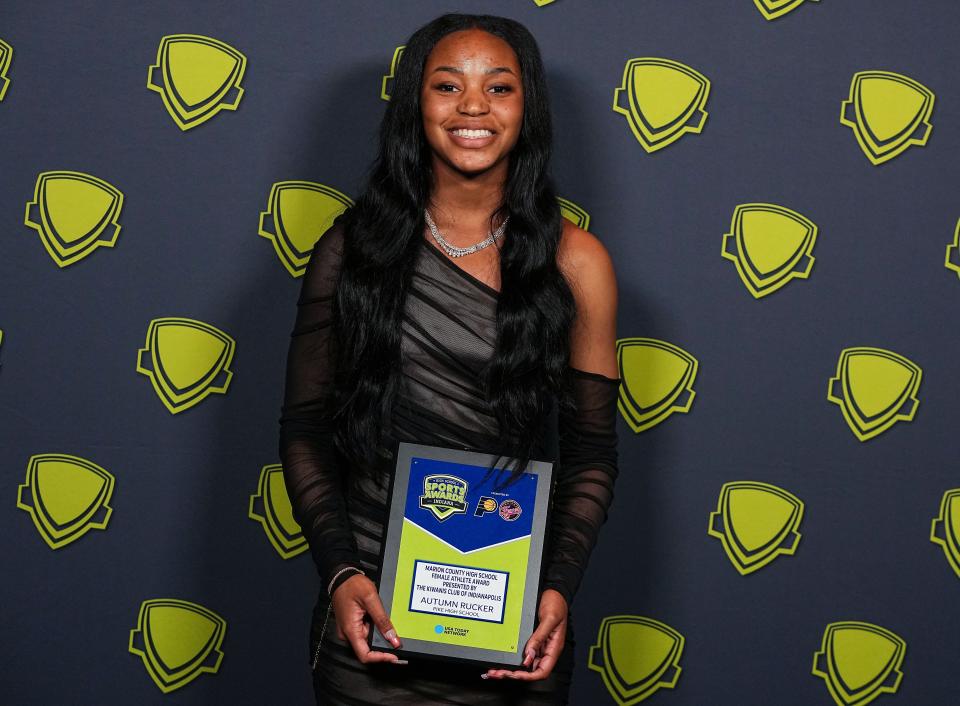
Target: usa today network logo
[(448, 630)]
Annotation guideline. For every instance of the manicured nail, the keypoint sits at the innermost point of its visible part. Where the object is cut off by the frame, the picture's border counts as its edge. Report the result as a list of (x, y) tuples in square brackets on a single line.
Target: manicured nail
[(391, 634), (484, 676), (401, 661)]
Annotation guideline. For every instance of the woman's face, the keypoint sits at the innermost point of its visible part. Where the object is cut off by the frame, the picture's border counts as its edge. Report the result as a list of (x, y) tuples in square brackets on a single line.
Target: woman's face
[(471, 100)]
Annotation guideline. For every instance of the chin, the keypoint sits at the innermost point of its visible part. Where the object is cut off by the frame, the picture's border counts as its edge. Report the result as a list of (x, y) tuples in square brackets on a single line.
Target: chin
[(474, 169), (474, 166)]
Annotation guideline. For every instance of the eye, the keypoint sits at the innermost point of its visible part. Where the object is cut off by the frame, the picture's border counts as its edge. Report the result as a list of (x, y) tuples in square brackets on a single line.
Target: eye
[(502, 89), (446, 87)]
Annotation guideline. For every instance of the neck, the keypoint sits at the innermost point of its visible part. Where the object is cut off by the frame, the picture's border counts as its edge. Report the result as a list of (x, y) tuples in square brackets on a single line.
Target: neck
[(461, 204)]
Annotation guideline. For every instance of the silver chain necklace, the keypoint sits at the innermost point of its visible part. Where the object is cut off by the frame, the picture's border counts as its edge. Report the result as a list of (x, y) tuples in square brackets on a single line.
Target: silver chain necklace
[(453, 250)]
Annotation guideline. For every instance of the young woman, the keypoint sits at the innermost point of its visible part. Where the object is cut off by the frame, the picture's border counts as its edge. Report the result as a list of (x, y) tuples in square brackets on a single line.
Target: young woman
[(451, 306)]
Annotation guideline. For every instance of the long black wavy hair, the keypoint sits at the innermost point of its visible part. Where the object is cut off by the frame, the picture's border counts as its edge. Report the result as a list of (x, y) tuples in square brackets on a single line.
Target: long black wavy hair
[(535, 309)]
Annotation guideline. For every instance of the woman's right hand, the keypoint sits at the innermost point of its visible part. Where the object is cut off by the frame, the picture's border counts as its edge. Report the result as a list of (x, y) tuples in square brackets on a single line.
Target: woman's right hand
[(353, 600)]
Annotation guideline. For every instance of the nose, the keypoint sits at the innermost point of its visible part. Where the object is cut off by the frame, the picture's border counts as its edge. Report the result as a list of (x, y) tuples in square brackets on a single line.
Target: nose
[(473, 101)]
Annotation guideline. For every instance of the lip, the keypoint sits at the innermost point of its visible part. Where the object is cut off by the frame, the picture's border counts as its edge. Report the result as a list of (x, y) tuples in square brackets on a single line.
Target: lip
[(470, 142)]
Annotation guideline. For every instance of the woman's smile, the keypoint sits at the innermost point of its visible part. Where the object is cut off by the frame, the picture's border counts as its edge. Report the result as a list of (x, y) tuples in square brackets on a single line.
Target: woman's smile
[(472, 139)]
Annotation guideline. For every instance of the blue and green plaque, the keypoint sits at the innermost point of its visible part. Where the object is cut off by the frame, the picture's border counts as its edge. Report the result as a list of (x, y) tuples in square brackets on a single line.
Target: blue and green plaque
[(461, 562)]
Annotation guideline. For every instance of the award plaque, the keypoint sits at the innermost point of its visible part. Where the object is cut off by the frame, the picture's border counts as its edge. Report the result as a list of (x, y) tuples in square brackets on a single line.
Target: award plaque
[(461, 564)]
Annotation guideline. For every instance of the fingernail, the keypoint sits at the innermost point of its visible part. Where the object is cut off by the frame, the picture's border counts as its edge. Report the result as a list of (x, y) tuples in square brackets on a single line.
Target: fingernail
[(401, 661), (484, 676), (390, 634)]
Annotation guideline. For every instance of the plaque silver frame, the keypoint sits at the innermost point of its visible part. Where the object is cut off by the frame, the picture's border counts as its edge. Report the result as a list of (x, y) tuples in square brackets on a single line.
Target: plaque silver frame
[(396, 498)]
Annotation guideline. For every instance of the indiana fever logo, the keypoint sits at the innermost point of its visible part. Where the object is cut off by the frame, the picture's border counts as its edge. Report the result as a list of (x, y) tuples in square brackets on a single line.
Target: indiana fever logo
[(444, 495)]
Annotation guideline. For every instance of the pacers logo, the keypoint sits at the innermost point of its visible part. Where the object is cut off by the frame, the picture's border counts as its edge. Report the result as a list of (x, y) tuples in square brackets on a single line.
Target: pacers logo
[(196, 77), (662, 100), (657, 380), (270, 506), (386, 85), (636, 657), (756, 523), (444, 495), (6, 56), (186, 360), (74, 214), (177, 641), (66, 496), (888, 113), (875, 389), (298, 213), (485, 506), (859, 662), (770, 245), (945, 529), (574, 214), (541, 3), (772, 9)]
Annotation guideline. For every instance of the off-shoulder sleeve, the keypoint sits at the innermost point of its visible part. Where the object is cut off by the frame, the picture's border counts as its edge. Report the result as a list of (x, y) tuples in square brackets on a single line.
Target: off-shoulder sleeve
[(586, 472), (312, 468)]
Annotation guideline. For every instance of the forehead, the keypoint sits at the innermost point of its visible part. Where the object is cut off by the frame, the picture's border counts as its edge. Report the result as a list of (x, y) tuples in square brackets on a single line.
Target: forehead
[(473, 48)]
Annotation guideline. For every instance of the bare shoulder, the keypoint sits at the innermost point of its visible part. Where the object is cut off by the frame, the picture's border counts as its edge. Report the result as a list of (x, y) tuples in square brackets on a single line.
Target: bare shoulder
[(585, 262), (588, 268)]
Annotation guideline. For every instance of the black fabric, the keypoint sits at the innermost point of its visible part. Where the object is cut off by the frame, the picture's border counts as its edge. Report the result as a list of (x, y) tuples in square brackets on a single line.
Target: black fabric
[(449, 330)]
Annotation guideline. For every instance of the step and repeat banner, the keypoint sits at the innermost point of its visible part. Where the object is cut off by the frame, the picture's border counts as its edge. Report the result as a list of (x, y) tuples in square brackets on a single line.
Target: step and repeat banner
[(776, 182)]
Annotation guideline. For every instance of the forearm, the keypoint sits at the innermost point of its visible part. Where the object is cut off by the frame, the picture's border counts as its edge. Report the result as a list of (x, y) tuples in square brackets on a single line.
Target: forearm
[(317, 498), (587, 470)]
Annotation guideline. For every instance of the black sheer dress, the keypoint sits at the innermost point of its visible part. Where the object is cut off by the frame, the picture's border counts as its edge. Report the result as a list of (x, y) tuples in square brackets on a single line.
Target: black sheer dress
[(448, 332)]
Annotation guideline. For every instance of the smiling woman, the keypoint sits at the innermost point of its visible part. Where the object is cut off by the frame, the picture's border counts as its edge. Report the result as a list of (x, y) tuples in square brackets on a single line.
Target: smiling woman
[(468, 344)]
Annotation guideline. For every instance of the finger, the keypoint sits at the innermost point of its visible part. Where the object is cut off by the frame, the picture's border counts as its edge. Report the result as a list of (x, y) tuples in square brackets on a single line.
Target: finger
[(358, 644), (508, 674), (388, 657), (495, 674), (541, 672), (380, 618), (545, 661), (535, 645), (368, 656), (544, 668)]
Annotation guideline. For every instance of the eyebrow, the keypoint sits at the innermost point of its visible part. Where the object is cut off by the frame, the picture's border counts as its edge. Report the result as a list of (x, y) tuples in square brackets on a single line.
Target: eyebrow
[(495, 70)]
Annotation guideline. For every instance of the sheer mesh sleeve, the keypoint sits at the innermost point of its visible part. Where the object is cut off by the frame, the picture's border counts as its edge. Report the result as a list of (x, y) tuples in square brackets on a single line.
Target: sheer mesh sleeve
[(586, 471), (312, 467)]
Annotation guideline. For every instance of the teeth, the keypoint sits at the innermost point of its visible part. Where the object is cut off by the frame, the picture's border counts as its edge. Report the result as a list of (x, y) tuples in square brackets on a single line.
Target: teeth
[(472, 133)]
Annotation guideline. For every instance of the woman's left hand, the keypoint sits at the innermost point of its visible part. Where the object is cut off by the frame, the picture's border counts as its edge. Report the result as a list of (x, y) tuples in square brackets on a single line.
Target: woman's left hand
[(544, 646)]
